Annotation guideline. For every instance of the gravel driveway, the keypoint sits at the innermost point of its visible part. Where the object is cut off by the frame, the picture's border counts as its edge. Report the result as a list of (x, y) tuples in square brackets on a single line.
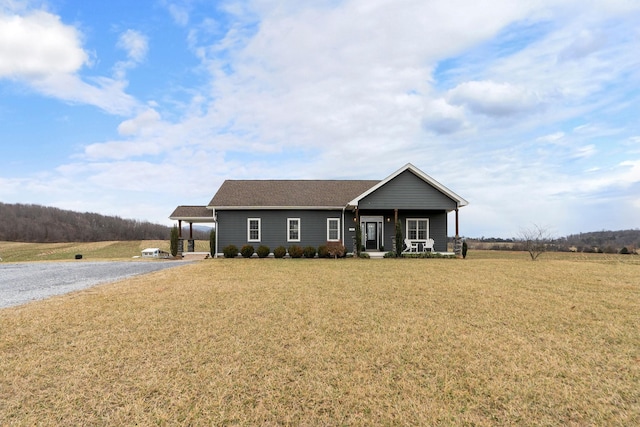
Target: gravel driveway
[(24, 282)]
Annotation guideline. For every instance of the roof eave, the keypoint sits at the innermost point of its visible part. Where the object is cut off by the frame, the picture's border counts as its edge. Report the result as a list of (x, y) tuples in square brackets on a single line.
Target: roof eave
[(254, 208)]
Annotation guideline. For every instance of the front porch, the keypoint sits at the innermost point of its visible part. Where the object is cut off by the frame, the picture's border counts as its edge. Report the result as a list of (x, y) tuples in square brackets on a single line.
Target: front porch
[(421, 230)]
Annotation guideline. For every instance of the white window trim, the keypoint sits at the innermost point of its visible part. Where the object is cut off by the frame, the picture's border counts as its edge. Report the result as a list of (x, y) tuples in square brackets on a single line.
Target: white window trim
[(249, 239), (289, 221), (329, 220), (416, 219)]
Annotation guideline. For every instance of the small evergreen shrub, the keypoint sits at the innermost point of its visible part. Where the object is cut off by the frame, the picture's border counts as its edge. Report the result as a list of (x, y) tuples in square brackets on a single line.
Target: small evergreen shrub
[(323, 251), (263, 251), (309, 252), (364, 255), (464, 249), (279, 252), (295, 251), (391, 254), (173, 242), (358, 244), (624, 251), (230, 251), (247, 251)]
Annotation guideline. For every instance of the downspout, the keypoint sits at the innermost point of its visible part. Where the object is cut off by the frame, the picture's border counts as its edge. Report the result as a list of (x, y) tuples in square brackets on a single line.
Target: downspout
[(343, 235), (215, 222)]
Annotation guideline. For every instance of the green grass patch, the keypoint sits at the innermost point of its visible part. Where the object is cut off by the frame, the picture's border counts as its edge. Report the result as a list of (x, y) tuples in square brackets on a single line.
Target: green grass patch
[(20, 252)]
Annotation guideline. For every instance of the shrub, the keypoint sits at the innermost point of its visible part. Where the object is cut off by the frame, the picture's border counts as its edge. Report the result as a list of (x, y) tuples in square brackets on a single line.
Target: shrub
[(230, 251), (309, 252), (173, 243), (336, 249), (364, 255), (323, 251), (295, 251), (247, 251), (358, 245), (279, 252), (263, 251), (624, 251), (464, 249)]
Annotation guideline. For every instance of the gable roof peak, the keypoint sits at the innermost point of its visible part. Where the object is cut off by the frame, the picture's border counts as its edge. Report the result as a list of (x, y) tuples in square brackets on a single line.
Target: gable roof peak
[(420, 174)]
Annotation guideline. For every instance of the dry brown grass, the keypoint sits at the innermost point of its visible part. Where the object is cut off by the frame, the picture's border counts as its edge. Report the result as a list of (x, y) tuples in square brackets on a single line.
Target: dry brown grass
[(490, 341)]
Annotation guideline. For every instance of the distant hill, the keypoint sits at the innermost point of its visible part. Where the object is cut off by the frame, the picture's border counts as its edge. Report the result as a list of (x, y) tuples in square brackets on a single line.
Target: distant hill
[(36, 223)]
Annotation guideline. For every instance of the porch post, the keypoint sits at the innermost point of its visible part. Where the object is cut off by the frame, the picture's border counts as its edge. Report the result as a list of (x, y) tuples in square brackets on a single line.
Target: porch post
[(180, 229), (457, 241), (191, 244)]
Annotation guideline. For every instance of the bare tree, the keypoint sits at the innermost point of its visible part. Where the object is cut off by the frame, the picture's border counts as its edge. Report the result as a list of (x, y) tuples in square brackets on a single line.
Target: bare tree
[(535, 240)]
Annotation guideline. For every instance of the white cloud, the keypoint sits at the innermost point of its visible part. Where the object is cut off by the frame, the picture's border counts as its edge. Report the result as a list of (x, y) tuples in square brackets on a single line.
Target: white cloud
[(553, 138), (37, 46), (135, 43), (585, 151), (142, 124), (179, 13), (444, 118), (494, 99)]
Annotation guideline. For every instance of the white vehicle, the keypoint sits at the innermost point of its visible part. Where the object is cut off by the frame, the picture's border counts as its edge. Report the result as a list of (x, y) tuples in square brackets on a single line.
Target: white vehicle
[(154, 253)]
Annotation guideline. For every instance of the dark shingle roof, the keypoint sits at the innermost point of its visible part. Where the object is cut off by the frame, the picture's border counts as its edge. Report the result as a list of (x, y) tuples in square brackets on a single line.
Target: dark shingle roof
[(289, 193), (182, 212)]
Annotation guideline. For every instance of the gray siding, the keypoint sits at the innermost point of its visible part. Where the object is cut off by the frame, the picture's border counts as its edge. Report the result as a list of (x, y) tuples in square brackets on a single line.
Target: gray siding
[(232, 227), (407, 191), (437, 226)]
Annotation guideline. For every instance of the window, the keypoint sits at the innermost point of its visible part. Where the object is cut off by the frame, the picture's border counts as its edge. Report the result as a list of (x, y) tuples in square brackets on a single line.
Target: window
[(293, 229), (418, 229), (333, 229), (253, 230)]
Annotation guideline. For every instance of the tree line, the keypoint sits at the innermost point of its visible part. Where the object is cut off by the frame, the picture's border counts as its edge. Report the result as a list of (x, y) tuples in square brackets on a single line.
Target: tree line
[(43, 224), (606, 241)]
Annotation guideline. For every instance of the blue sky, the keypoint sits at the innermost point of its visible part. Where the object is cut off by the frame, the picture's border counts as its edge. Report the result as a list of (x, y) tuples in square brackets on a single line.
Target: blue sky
[(529, 110)]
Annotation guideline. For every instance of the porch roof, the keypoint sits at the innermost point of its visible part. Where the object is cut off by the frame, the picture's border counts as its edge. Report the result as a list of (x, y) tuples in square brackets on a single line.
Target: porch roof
[(192, 213)]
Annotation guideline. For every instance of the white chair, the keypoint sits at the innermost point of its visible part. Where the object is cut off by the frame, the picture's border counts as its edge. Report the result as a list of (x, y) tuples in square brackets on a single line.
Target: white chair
[(428, 245), (411, 246)]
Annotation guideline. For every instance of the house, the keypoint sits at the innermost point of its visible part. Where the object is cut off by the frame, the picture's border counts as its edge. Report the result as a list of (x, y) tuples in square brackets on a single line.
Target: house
[(313, 212)]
